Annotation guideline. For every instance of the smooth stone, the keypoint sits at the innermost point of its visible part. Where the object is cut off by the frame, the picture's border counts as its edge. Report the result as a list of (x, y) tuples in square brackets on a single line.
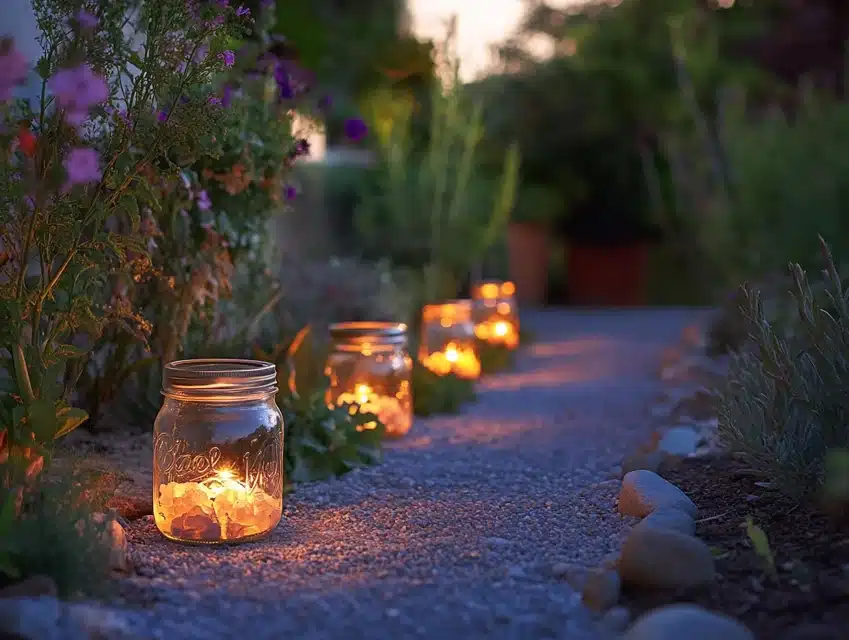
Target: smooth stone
[(644, 491), (601, 590), (664, 559), (116, 537), (30, 618), (669, 520), (678, 621), (680, 441), (616, 620)]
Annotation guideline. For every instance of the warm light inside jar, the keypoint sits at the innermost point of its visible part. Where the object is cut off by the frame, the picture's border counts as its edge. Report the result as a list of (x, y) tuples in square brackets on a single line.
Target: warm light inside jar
[(369, 370), (494, 312), (220, 508), (218, 452), (448, 340)]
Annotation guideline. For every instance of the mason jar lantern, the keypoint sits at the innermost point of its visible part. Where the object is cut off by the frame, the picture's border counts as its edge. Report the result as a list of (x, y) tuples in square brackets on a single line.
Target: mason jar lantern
[(218, 452), (369, 366), (495, 313), (448, 339)]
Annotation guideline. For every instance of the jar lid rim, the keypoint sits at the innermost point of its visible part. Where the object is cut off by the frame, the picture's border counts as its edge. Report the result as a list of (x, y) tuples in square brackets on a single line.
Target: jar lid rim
[(217, 367), (386, 332), (219, 379)]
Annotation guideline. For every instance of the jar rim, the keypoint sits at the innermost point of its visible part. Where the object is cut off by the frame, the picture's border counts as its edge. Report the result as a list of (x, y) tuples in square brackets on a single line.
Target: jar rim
[(461, 303), (369, 332), (222, 379)]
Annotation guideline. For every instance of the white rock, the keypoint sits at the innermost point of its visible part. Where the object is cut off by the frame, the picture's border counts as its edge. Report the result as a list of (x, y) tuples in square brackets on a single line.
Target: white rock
[(680, 441), (117, 539), (670, 520), (644, 491), (678, 621), (30, 618), (663, 559)]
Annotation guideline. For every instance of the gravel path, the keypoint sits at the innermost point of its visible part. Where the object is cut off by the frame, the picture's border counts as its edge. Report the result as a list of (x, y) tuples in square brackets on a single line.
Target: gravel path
[(462, 532)]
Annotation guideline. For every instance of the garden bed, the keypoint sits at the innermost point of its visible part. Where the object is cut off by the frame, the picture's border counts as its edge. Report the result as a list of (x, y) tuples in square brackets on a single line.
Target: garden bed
[(808, 599)]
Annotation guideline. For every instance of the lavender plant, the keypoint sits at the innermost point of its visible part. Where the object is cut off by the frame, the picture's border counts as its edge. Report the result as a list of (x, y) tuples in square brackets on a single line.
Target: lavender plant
[(784, 406)]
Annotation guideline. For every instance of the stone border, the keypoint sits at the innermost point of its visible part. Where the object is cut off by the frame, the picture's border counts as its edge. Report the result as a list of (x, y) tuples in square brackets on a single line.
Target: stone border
[(661, 552)]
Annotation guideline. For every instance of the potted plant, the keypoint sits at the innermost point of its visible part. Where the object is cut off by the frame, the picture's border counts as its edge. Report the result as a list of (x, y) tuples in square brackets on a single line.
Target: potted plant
[(528, 232)]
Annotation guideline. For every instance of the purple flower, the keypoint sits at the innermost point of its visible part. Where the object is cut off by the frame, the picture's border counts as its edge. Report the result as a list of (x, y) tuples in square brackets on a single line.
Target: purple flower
[(355, 129), (162, 116), (228, 57), (204, 203), (223, 3), (13, 71), (86, 20), (200, 54), (243, 11), (290, 192), (77, 90), (82, 166), (214, 100), (302, 147)]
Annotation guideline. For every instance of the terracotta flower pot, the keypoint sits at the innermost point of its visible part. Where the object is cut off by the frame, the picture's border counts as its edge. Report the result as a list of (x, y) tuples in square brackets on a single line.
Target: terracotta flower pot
[(614, 276), (527, 249)]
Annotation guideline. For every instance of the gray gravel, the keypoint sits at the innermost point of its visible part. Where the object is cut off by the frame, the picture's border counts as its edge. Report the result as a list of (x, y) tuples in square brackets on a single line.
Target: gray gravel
[(462, 532)]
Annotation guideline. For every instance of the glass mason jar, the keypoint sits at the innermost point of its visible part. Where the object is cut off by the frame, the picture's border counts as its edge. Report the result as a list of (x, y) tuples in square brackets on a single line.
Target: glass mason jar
[(448, 339), (495, 313), (218, 452), (369, 366)]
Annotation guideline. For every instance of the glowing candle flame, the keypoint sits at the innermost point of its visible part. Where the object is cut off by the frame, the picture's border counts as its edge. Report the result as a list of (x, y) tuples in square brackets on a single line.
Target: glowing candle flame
[(451, 354), (501, 329), (363, 393)]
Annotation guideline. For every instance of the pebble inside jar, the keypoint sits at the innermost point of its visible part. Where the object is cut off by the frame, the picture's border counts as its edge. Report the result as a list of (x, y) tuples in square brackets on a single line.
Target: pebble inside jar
[(369, 367), (218, 452), (448, 340), (495, 313)]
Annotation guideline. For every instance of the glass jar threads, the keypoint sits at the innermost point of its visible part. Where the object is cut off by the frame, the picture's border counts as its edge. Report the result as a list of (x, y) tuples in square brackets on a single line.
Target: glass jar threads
[(448, 340), (369, 366), (218, 452), (495, 313)]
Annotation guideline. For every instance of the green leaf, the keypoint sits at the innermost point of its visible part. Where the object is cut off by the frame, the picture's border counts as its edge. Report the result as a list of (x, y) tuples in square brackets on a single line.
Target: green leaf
[(760, 543), (131, 207), (42, 420), (69, 418)]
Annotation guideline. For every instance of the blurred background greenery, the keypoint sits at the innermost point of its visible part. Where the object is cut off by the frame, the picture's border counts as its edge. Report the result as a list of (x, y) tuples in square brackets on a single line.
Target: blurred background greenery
[(703, 136)]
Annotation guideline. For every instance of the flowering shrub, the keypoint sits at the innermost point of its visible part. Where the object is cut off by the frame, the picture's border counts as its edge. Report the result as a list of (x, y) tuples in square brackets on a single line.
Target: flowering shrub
[(102, 174)]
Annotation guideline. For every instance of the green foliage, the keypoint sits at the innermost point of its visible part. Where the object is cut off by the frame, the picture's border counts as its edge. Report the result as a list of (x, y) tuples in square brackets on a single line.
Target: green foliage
[(790, 180), (47, 529), (785, 405), (437, 208), (434, 394), (322, 443), (760, 543)]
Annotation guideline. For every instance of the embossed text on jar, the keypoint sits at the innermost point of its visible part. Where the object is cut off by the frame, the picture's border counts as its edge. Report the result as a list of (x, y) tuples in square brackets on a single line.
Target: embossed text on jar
[(218, 452), (370, 368)]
